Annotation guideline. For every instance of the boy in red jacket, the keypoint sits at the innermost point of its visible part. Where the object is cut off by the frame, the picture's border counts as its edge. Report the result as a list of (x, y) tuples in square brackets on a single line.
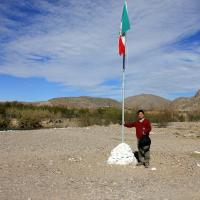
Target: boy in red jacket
[(143, 128)]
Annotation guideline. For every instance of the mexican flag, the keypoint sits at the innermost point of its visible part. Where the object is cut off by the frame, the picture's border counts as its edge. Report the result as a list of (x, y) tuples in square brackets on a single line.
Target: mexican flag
[(125, 26)]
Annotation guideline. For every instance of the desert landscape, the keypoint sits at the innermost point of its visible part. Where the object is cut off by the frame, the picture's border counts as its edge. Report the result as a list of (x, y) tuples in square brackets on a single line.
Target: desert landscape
[(72, 72), (71, 164)]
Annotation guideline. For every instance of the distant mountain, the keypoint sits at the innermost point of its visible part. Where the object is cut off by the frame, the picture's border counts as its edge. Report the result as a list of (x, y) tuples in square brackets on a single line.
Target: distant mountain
[(187, 103), (142, 101), (83, 102), (147, 102)]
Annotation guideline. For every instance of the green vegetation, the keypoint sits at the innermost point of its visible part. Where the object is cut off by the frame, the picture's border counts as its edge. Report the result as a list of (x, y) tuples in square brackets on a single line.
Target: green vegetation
[(15, 115)]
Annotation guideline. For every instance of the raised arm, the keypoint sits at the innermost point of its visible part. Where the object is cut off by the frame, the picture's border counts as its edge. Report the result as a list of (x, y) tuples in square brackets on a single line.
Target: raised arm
[(129, 124)]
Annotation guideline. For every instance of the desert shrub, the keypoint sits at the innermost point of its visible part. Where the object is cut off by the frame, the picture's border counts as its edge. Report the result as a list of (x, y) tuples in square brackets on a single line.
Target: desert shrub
[(30, 116), (130, 115), (96, 117), (181, 118), (85, 119), (100, 116), (4, 123), (61, 111), (113, 115), (161, 118), (13, 112), (193, 116), (90, 117), (176, 116), (2, 109), (31, 119)]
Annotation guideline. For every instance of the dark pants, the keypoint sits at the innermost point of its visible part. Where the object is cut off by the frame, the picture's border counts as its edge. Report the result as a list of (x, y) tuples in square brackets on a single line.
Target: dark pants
[(144, 154)]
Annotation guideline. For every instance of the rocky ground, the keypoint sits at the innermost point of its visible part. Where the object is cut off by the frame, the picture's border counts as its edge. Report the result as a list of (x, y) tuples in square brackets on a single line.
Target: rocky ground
[(70, 164)]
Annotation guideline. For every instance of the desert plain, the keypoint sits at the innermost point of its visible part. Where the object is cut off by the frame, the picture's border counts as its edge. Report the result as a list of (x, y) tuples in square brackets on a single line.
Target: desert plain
[(71, 164)]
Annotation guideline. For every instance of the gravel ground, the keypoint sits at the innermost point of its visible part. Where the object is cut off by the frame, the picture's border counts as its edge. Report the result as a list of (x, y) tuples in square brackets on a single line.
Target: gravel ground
[(70, 164)]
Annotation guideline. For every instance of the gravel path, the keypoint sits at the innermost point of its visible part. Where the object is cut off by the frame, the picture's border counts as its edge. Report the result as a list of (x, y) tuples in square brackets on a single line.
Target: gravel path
[(70, 164)]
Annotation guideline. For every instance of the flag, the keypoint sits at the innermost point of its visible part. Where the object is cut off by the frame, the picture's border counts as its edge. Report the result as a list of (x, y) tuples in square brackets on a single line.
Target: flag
[(121, 45), (125, 26)]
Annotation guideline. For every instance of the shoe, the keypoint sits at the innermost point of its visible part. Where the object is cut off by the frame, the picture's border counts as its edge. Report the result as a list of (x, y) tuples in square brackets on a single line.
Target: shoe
[(139, 164), (146, 165)]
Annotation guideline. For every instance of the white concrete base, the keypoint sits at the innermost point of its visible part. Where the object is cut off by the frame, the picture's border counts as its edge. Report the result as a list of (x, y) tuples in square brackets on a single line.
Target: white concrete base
[(122, 155)]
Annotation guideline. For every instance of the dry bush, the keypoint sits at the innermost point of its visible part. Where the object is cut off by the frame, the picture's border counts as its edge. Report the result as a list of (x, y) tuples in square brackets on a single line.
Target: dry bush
[(30, 119), (4, 123)]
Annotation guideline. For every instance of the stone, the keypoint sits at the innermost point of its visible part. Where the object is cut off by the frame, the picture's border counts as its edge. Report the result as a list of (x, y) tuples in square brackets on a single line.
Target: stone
[(122, 154)]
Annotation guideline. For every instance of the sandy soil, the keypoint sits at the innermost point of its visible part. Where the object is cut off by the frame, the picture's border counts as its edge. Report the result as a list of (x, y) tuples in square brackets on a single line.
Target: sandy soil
[(70, 164)]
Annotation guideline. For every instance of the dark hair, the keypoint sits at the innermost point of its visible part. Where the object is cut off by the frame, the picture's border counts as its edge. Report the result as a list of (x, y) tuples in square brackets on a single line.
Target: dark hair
[(142, 111)]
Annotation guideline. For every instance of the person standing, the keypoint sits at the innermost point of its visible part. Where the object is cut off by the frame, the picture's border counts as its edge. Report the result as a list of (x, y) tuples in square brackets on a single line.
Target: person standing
[(143, 128)]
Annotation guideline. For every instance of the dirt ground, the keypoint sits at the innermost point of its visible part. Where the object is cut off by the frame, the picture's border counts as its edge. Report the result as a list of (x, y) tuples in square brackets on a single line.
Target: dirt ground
[(70, 164)]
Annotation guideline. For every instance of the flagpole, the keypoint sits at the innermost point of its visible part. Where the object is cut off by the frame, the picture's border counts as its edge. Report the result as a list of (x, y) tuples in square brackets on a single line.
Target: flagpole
[(125, 26), (123, 95)]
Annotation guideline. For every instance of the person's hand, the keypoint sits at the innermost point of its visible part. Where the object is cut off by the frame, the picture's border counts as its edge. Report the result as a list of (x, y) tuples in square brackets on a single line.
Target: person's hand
[(143, 131), (125, 124)]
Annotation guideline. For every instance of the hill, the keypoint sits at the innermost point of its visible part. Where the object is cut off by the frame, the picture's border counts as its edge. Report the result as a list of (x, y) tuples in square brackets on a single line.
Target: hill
[(147, 102), (83, 102), (142, 101), (187, 103)]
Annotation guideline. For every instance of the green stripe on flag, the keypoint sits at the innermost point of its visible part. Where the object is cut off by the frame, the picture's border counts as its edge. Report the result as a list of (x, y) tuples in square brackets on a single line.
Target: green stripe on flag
[(125, 20)]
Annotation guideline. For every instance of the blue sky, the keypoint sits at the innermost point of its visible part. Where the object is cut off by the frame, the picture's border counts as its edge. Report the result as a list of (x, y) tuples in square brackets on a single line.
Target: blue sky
[(53, 48)]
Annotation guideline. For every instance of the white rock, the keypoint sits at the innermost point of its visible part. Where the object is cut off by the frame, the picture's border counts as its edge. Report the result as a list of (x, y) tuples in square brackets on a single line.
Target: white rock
[(122, 155), (198, 165), (197, 152), (153, 169)]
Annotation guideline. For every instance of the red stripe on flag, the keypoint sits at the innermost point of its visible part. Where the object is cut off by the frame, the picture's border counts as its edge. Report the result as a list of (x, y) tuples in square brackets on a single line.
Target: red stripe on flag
[(121, 46)]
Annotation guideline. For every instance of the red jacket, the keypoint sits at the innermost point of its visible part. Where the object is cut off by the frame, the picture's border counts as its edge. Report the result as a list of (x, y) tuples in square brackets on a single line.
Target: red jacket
[(142, 128)]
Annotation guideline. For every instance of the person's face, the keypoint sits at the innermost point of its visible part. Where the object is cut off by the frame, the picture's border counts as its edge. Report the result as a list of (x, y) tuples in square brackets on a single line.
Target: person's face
[(140, 115)]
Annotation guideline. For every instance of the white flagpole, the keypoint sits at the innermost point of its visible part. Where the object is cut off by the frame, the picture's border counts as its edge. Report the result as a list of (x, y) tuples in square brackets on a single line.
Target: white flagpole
[(123, 94)]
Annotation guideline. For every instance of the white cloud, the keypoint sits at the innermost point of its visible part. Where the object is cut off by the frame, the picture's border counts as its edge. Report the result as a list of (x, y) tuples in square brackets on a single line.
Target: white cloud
[(78, 41)]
